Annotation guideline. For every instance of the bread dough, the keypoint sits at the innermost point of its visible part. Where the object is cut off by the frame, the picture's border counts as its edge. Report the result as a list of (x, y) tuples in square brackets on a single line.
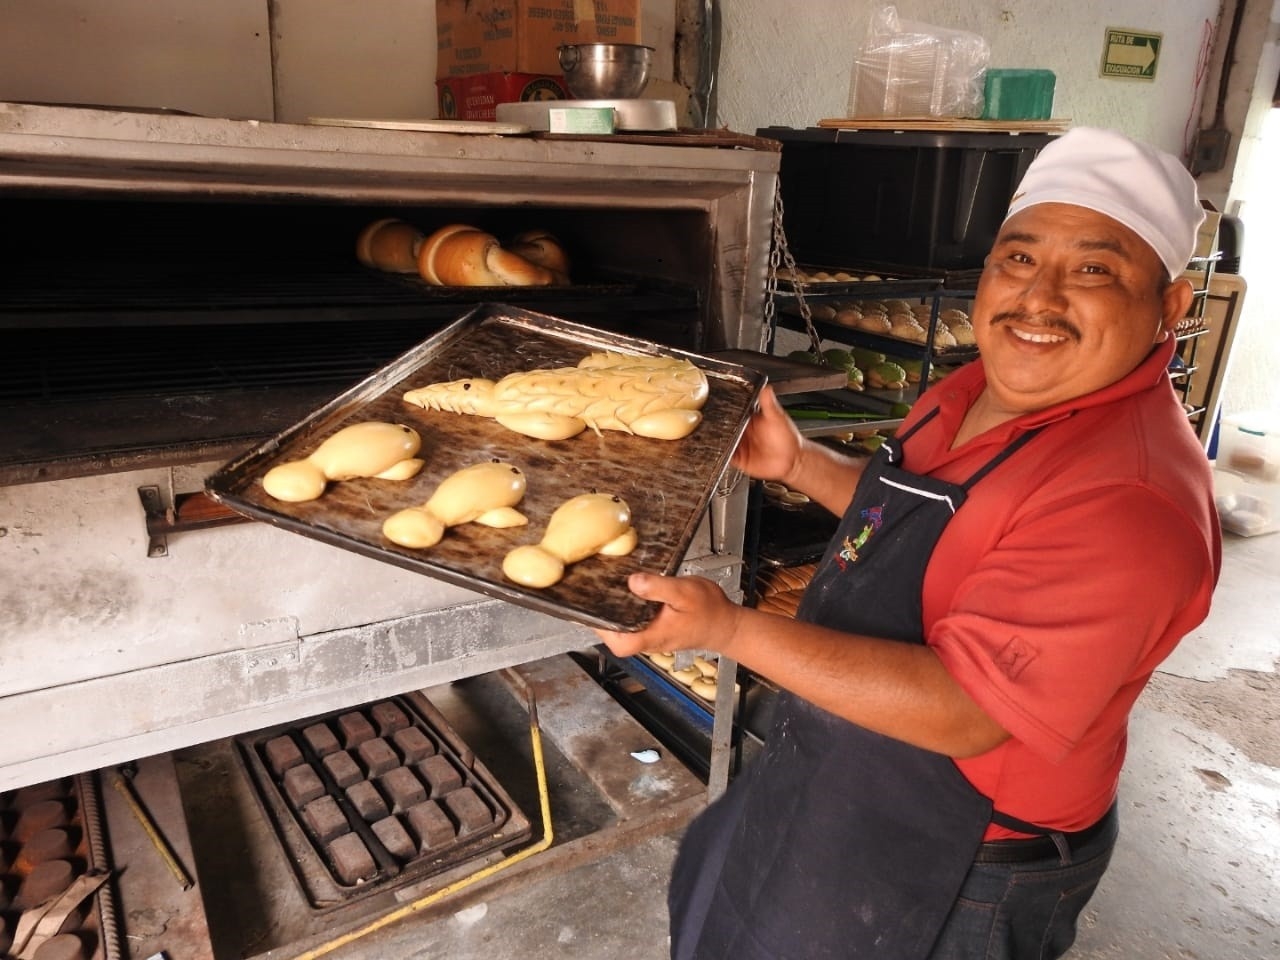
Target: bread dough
[(370, 449), (656, 397), (589, 524), (704, 687), (483, 493)]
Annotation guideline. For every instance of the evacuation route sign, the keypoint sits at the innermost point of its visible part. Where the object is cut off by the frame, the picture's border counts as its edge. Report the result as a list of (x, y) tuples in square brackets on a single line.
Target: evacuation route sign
[(1131, 54)]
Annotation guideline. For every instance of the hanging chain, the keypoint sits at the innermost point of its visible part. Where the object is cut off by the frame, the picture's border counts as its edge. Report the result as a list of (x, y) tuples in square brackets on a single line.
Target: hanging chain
[(780, 256)]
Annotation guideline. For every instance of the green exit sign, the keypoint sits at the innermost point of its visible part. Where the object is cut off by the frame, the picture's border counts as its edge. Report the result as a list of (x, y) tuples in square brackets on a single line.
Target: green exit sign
[(1131, 54)]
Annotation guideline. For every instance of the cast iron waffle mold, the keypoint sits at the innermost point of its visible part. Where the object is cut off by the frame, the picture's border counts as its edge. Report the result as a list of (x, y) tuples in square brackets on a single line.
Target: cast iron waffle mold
[(376, 797)]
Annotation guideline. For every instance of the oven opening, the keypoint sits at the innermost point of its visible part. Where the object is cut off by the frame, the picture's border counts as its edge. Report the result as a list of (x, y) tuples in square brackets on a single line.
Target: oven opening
[(132, 326)]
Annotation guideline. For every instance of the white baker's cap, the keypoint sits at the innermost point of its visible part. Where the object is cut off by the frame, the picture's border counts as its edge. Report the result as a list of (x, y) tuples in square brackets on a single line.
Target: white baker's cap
[(1147, 190)]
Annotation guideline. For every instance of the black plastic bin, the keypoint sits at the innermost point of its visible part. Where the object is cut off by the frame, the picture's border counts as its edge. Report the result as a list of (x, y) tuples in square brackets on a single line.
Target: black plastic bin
[(908, 197)]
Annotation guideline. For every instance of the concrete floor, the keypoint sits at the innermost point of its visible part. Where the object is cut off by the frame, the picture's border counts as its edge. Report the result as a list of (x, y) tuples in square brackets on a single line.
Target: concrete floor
[(1196, 875)]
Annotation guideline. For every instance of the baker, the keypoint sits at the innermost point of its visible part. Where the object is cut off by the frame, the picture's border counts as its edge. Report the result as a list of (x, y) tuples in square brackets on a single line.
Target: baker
[(940, 777)]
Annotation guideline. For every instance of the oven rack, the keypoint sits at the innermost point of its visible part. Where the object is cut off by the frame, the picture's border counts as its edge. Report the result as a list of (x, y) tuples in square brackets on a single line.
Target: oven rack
[(151, 294)]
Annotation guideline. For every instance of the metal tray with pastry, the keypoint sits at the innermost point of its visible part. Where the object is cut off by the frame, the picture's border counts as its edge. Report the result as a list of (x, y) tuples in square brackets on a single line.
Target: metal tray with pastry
[(665, 485)]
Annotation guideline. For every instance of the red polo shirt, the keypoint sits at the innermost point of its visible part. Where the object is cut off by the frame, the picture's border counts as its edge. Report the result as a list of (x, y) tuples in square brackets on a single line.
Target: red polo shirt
[(1071, 572)]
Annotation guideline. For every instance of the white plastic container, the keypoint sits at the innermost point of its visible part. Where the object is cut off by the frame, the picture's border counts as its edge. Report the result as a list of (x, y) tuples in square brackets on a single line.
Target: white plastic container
[(909, 69), (1246, 476), (1249, 444), (1246, 506)]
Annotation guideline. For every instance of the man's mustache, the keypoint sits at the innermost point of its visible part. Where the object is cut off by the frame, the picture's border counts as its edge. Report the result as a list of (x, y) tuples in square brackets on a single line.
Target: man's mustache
[(1048, 321)]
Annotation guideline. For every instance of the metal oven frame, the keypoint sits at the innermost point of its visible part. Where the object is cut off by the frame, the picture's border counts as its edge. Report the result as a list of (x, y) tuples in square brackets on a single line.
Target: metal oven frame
[(121, 636)]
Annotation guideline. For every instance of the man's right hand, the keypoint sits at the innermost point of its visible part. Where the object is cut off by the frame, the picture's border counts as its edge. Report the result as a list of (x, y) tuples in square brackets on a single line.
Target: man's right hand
[(770, 447)]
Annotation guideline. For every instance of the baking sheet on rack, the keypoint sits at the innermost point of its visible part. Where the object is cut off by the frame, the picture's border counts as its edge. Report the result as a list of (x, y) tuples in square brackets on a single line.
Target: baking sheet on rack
[(667, 484)]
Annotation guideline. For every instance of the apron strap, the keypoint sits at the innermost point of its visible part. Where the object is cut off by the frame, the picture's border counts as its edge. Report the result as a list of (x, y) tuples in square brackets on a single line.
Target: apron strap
[(1000, 458), (894, 448)]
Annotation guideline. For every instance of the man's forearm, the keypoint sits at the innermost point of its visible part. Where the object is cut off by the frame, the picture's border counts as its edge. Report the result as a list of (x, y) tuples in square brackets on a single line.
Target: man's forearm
[(901, 690)]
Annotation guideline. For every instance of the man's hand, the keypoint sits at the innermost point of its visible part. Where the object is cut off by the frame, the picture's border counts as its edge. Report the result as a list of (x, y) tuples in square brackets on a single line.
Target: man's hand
[(770, 447), (696, 615)]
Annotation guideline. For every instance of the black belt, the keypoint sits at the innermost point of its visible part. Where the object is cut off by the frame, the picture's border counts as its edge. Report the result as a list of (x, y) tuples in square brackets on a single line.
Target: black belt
[(1039, 848)]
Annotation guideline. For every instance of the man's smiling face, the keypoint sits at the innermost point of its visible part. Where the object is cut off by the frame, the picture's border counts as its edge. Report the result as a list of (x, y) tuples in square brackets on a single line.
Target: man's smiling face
[(1070, 301)]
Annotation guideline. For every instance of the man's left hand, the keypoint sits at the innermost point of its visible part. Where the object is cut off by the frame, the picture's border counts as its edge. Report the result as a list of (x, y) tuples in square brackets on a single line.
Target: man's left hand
[(696, 615)]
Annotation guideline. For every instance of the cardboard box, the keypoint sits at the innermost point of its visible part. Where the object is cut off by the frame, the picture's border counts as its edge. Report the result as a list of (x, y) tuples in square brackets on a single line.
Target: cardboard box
[(521, 36), (474, 97)]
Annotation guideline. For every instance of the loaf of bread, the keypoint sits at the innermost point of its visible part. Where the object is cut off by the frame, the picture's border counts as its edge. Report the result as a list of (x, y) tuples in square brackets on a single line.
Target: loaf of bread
[(389, 244), (540, 247), (463, 256), (785, 602), (779, 579)]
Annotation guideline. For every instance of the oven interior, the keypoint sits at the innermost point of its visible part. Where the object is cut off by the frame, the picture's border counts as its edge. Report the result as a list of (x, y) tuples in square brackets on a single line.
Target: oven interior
[(135, 325)]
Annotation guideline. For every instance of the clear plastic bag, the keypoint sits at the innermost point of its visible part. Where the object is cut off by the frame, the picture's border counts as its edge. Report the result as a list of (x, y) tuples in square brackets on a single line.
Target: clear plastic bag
[(909, 69)]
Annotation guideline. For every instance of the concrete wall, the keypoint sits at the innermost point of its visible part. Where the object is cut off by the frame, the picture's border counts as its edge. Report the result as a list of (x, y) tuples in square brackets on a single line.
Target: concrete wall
[(790, 64)]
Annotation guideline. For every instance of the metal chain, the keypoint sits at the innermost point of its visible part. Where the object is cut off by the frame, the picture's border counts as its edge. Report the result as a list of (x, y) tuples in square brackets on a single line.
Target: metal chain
[(780, 255)]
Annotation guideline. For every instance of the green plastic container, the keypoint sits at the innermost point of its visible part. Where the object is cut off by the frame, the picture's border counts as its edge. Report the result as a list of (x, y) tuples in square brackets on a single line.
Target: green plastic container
[(1014, 94)]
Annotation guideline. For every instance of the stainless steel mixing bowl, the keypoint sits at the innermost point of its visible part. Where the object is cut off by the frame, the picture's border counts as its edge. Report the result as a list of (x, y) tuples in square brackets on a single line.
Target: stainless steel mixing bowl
[(605, 71)]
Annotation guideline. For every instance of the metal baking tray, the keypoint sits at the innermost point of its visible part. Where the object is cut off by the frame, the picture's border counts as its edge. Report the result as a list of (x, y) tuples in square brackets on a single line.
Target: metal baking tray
[(315, 873), (667, 484), (895, 281)]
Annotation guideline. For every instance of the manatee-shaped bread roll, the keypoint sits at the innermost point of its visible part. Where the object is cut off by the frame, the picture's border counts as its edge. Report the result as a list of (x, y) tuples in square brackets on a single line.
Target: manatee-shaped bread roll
[(371, 449), (483, 493), (587, 525)]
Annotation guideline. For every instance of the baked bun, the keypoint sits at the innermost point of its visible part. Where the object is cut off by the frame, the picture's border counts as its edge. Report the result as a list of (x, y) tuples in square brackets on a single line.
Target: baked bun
[(963, 333), (784, 602), (463, 256), (540, 247), (904, 325), (873, 323), (779, 579), (848, 316), (389, 244)]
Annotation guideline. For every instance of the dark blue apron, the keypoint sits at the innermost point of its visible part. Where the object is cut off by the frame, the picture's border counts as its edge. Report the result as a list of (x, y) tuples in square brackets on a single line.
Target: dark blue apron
[(838, 842)]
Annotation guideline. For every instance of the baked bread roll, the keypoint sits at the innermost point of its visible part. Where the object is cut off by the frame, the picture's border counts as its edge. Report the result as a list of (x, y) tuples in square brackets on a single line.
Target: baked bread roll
[(540, 247), (904, 325), (943, 337), (784, 602), (463, 256), (848, 316), (874, 323), (389, 244), (779, 579)]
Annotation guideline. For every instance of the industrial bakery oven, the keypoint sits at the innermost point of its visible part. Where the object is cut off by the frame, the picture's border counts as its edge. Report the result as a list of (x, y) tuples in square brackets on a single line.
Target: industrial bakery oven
[(175, 289)]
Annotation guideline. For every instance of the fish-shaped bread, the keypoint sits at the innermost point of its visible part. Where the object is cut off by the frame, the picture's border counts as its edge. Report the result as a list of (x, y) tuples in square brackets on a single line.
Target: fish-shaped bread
[(587, 525), (656, 397), (483, 493), (370, 449)]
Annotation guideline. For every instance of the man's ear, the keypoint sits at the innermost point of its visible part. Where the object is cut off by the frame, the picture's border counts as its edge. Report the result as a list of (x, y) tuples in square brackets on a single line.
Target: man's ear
[(1175, 304)]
